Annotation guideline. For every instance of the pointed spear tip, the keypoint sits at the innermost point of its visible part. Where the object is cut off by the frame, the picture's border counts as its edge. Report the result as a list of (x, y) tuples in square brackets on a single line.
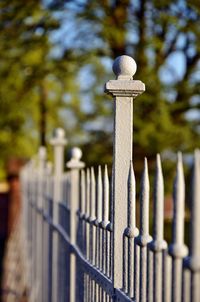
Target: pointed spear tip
[(158, 160), (99, 170), (179, 156), (145, 164), (197, 153), (158, 164), (180, 162), (131, 176), (158, 157), (92, 175), (106, 170), (88, 173), (131, 170), (106, 174), (145, 174)]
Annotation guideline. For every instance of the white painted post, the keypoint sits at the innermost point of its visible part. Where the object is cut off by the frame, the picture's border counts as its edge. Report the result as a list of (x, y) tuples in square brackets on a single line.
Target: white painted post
[(124, 89), (58, 142), (130, 233), (74, 165), (158, 243), (46, 234), (39, 220), (193, 260), (177, 249), (144, 238)]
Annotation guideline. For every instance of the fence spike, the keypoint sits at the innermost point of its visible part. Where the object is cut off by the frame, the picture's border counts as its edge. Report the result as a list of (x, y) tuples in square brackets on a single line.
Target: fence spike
[(158, 242), (130, 233), (105, 197), (158, 201), (131, 230), (177, 248), (144, 236), (82, 204), (112, 197), (131, 198), (87, 211), (195, 214), (99, 195), (92, 195)]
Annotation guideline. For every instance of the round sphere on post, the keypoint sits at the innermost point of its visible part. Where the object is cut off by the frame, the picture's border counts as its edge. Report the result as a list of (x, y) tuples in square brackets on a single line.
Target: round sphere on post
[(124, 67), (58, 138), (76, 153), (59, 133), (75, 162)]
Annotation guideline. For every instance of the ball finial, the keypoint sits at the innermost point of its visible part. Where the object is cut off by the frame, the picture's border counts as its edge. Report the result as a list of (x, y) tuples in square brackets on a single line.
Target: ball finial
[(76, 153), (59, 133), (58, 138), (75, 162), (124, 67)]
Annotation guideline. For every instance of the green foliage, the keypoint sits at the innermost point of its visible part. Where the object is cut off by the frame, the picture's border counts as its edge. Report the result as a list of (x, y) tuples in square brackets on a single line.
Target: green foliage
[(42, 88), (162, 36), (32, 79)]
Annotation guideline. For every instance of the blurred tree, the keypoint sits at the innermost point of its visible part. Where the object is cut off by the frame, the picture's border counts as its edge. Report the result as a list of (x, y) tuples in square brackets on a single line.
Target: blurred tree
[(33, 79), (55, 61), (162, 36)]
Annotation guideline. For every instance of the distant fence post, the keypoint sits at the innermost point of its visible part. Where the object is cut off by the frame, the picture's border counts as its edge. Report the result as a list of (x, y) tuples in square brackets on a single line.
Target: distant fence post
[(74, 165), (39, 221), (47, 238), (58, 142), (124, 90)]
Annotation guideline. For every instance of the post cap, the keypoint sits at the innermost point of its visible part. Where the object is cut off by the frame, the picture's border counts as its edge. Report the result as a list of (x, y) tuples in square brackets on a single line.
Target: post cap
[(75, 162), (58, 137), (124, 67), (76, 153), (59, 133)]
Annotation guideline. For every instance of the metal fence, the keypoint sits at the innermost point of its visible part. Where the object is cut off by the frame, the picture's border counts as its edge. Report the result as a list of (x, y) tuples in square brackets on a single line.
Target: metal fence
[(83, 241)]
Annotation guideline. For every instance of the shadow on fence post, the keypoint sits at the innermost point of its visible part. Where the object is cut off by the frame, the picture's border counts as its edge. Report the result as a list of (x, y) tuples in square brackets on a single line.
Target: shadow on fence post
[(74, 165), (58, 142), (124, 89)]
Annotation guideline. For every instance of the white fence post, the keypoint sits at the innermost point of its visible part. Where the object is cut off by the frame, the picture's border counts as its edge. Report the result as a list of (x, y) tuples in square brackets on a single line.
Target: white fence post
[(124, 90), (74, 165), (39, 221), (58, 142), (46, 234)]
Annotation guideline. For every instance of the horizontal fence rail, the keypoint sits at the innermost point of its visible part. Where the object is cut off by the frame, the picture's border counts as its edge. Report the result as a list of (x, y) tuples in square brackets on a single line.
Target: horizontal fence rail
[(83, 240)]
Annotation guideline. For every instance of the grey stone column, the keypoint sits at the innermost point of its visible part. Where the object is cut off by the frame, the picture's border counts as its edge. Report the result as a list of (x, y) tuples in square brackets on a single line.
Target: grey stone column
[(124, 90)]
